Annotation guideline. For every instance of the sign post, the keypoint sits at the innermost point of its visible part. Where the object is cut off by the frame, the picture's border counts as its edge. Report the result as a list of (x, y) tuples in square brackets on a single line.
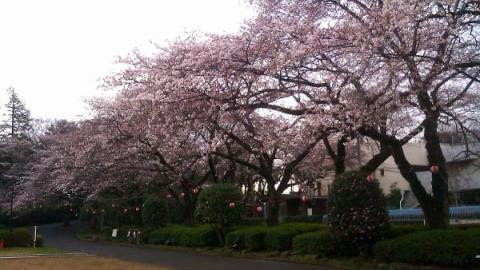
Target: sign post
[(34, 236)]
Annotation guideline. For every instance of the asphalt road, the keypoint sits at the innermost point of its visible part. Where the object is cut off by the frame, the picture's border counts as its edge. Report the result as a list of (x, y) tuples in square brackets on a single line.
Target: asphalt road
[(57, 236)]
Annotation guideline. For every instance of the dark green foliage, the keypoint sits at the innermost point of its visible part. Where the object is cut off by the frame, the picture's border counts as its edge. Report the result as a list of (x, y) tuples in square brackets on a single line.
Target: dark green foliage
[(395, 231), (8, 238), (441, 247), (273, 238), (280, 239), (22, 238), (213, 207), (357, 214), (304, 227), (19, 122), (255, 238), (176, 235), (40, 242), (319, 243), (304, 219), (155, 212), (252, 221), (235, 240), (3, 227), (17, 238), (36, 216), (392, 200)]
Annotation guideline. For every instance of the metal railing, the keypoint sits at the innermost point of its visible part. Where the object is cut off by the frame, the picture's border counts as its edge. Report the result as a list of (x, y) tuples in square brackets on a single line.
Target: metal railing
[(458, 214)]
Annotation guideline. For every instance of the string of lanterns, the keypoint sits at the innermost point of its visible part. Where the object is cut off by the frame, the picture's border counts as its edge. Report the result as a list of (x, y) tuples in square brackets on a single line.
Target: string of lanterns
[(114, 207)]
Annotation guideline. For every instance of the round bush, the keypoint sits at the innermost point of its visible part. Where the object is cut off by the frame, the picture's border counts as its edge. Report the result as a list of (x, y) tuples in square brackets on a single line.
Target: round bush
[(442, 247), (155, 212), (357, 214), (220, 206)]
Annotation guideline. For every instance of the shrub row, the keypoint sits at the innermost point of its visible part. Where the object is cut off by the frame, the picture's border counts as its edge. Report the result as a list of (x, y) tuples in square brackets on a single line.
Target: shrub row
[(304, 219), (452, 247), (318, 243), (175, 235), (269, 238), (19, 238)]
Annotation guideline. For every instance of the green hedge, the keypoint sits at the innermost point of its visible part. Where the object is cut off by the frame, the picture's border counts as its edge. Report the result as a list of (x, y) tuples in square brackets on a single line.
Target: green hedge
[(272, 238), (442, 247), (16, 238), (304, 219), (176, 235), (318, 243), (395, 231), (280, 238)]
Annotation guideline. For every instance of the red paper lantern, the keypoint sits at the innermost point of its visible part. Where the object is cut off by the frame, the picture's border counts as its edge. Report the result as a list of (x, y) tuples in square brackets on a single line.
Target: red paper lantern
[(370, 178), (113, 205), (195, 190), (137, 209), (259, 209), (434, 169), (169, 196), (182, 195), (231, 205), (304, 198), (125, 210)]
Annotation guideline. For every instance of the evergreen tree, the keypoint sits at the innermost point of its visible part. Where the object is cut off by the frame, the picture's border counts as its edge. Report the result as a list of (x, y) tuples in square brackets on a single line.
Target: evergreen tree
[(18, 123), (16, 148)]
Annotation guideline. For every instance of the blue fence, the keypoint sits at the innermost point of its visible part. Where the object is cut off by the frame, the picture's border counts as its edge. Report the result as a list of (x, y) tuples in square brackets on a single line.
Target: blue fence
[(415, 215)]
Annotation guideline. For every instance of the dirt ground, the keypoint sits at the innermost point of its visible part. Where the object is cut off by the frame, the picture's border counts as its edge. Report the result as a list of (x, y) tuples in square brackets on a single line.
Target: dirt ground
[(73, 263)]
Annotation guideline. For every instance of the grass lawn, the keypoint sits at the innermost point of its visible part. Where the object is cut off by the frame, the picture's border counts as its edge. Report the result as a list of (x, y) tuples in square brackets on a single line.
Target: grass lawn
[(73, 263)]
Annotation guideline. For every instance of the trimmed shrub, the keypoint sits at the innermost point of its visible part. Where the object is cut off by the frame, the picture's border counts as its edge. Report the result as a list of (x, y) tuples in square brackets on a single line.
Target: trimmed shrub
[(319, 243), (304, 227), (280, 238), (22, 238), (357, 214), (40, 241), (255, 238), (235, 239), (441, 247), (155, 212), (273, 238), (220, 206), (8, 238), (395, 231), (175, 235), (304, 219), (17, 238)]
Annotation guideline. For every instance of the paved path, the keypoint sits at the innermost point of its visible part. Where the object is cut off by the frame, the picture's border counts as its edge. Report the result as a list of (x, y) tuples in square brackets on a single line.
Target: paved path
[(64, 238)]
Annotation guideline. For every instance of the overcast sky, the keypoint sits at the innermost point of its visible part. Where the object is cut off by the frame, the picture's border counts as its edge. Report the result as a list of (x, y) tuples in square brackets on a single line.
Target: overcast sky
[(54, 52)]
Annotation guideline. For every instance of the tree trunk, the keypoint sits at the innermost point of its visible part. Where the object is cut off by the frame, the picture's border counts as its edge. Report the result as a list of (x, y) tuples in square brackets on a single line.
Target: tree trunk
[(340, 158), (188, 211), (273, 209), (438, 217), (434, 207)]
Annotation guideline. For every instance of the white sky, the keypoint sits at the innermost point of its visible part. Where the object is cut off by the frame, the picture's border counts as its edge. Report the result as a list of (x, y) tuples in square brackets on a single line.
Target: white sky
[(54, 52)]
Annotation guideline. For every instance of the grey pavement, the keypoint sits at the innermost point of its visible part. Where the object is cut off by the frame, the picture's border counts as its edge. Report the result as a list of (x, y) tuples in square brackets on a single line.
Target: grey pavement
[(57, 236)]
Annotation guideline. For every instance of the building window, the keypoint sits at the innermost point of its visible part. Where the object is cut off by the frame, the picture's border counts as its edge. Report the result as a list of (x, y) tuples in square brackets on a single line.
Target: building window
[(382, 172)]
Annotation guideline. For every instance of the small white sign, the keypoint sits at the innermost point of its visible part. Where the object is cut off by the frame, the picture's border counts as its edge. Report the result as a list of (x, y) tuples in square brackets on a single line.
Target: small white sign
[(114, 233), (309, 211)]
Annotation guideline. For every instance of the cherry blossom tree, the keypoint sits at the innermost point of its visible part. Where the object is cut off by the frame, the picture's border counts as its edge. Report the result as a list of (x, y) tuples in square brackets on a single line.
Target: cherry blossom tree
[(390, 68)]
